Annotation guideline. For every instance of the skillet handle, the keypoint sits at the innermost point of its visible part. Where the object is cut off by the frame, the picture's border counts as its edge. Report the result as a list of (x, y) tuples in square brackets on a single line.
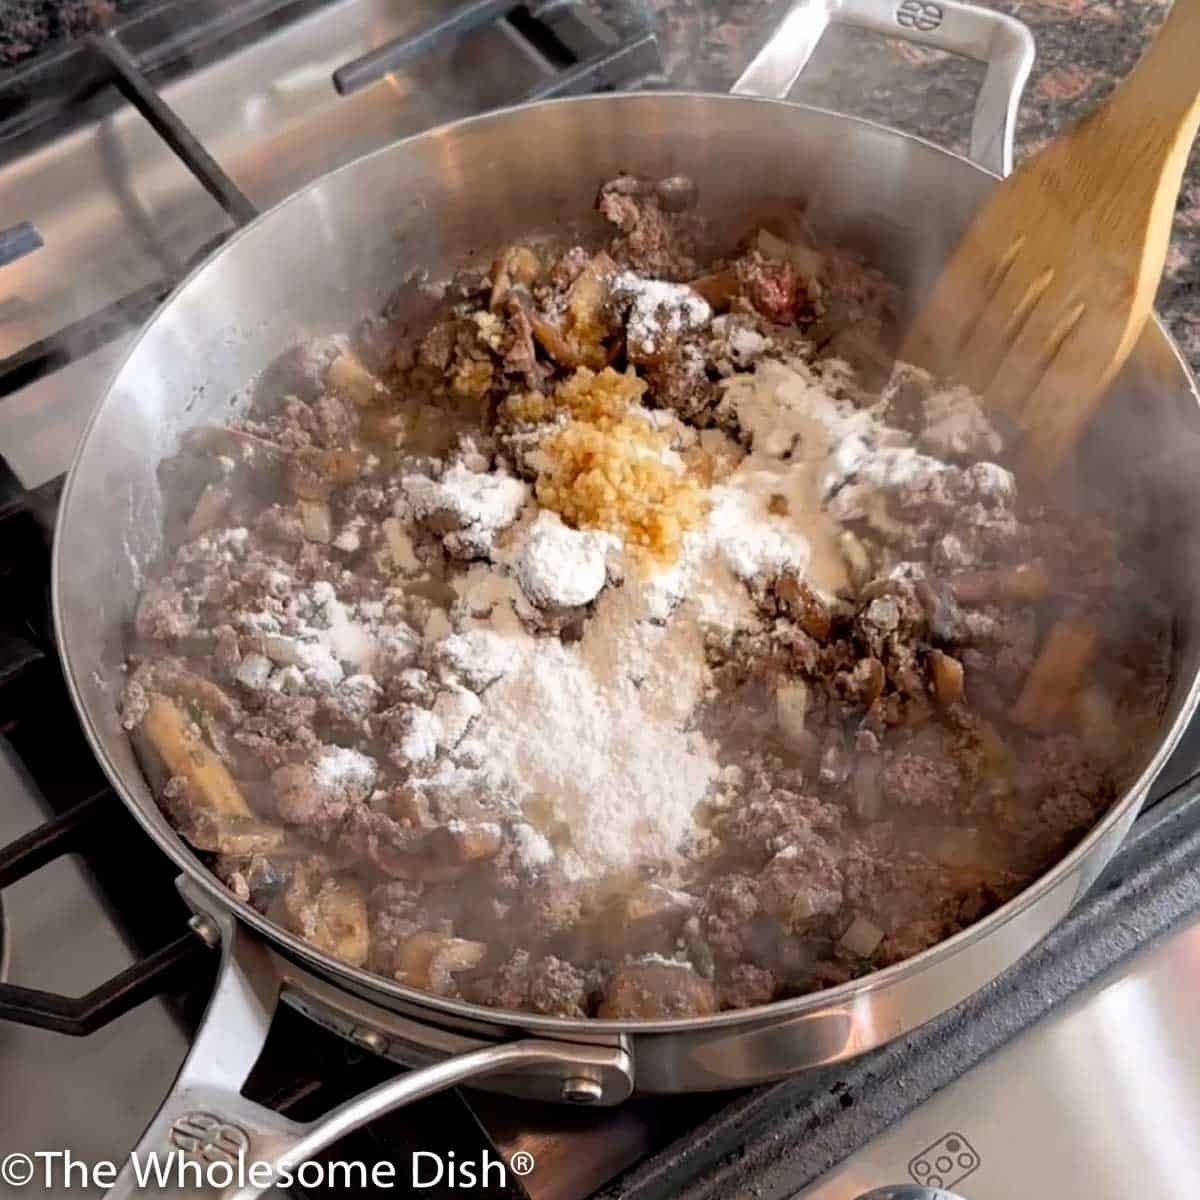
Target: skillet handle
[(1003, 43), (207, 1132)]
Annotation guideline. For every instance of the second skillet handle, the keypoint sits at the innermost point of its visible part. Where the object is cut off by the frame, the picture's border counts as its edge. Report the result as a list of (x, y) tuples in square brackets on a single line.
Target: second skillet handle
[(241, 1148), (1003, 43)]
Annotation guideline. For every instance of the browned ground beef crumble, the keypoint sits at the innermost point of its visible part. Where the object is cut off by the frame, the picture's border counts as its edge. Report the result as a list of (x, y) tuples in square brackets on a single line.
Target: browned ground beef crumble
[(932, 780)]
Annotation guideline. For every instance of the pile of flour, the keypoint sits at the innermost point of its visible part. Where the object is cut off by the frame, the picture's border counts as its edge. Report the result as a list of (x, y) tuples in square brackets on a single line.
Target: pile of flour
[(589, 742), (594, 740)]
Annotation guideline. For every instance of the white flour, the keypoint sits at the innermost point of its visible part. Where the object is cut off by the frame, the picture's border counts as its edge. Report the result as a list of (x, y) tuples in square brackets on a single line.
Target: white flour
[(596, 737), (557, 565), (829, 461), (347, 640), (591, 737), (588, 747), (660, 311), (346, 772), (584, 748), (312, 633), (491, 501)]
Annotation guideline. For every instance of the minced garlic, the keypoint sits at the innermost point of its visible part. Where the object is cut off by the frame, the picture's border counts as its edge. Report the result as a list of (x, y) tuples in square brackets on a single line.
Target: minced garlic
[(599, 399), (603, 469)]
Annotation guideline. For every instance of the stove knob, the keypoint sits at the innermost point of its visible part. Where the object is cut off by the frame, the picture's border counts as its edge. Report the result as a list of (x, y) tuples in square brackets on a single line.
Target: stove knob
[(909, 1191)]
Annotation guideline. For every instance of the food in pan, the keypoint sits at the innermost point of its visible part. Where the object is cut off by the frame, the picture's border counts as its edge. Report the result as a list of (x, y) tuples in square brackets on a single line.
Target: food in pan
[(621, 633)]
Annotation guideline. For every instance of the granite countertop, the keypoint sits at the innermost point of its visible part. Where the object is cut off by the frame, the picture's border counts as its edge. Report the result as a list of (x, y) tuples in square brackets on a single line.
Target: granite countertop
[(1084, 47)]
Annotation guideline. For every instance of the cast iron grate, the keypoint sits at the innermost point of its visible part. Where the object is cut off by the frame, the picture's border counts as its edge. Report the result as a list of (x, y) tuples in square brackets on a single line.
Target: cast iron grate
[(36, 716), (580, 54)]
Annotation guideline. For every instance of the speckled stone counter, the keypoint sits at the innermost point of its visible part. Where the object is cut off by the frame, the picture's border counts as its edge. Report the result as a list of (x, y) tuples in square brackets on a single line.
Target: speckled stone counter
[(1084, 47)]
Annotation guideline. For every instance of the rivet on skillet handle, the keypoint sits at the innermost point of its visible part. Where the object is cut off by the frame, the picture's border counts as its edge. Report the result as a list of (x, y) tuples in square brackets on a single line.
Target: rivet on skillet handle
[(207, 1120), (1002, 43)]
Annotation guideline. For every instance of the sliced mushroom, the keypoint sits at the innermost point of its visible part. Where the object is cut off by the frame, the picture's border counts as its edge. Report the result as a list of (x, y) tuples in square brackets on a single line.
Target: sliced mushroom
[(430, 961), (185, 754), (643, 920), (210, 508), (235, 838), (719, 288), (805, 607), (208, 805), (947, 677), (1021, 582), (463, 843), (560, 348), (409, 849), (648, 990), (580, 341), (587, 299), (448, 852), (410, 807), (1057, 675), (335, 921), (348, 377), (170, 677), (342, 922), (518, 266), (312, 474)]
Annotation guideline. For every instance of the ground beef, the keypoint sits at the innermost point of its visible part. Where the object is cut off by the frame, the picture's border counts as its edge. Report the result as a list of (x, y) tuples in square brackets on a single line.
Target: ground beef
[(650, 241), (521, 356), (545, 985), (730, 905), (800, 883), (898, 891), (874, 787), (395, 916), (864, 291), (166, 612), (763, 826), (748, 985), (772, 287), (918, 781), (551, 911), (680, 382)]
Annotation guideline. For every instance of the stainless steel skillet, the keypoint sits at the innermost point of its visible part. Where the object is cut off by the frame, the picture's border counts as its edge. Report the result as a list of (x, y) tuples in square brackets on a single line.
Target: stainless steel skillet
[(331, 255)]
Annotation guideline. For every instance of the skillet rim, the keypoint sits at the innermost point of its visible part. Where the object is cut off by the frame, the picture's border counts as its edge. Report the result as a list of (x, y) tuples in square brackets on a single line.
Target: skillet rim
[(843, 996)]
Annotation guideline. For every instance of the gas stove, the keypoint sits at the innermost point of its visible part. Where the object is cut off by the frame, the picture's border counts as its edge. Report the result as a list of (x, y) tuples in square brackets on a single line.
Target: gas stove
[(126, 158)]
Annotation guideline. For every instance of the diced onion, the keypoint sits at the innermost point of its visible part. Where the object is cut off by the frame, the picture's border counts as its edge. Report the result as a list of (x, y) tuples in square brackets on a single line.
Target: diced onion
[(317, 520), (791, 709), (862, 938), (253, 671)]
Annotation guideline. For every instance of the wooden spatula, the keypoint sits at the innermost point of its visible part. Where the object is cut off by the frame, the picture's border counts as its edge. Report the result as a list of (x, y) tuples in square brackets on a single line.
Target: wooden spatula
[(1049, 290)]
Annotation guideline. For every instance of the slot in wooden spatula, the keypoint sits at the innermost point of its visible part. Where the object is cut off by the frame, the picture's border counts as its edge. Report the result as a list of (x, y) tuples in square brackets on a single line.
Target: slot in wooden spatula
[(1049, 290)]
